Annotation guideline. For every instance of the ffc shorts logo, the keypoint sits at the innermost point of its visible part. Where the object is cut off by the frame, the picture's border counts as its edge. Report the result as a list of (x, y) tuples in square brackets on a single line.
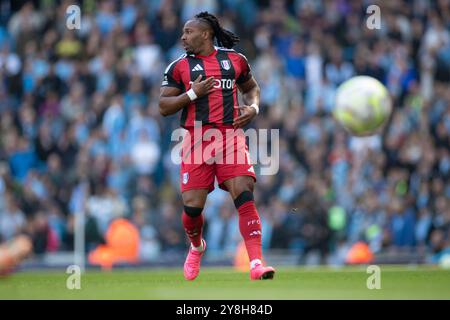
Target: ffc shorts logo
[(185, 177)]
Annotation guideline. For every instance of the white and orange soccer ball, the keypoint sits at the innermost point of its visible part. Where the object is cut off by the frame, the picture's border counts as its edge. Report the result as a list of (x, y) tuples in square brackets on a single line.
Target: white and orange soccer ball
[(362, 105)]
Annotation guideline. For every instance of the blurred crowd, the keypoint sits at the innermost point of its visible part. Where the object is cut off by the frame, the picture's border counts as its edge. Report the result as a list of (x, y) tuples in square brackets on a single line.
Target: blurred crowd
[(80, 130)]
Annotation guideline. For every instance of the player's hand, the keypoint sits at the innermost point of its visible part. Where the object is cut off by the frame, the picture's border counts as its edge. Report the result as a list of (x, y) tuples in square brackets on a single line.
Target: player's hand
[(246, 115), (202, 88)]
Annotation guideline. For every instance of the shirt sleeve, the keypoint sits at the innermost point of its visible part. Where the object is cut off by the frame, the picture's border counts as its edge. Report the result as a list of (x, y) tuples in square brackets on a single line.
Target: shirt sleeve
[(172, 77), (246, 72)]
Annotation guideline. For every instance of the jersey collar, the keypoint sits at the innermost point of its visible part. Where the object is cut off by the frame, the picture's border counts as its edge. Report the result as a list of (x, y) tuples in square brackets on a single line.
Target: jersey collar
[(212, 54)]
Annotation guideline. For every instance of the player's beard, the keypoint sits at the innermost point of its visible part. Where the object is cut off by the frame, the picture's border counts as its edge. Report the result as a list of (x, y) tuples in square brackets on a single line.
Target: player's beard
[(192, 47), (189, 49)]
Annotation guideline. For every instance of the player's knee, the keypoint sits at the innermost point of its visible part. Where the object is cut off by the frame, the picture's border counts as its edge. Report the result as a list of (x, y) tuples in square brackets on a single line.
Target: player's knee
[(193, 211), (244, 197), (240, 186)]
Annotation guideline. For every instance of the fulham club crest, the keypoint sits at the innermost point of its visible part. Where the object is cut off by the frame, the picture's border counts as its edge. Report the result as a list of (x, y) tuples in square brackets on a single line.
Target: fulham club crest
[(225, 64)]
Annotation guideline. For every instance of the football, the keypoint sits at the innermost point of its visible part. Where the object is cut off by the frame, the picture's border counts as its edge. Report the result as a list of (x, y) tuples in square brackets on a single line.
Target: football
[(362, 105)]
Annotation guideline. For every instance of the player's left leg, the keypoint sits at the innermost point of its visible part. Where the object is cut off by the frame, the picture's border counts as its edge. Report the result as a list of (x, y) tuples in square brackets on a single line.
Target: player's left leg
[(241, 190)]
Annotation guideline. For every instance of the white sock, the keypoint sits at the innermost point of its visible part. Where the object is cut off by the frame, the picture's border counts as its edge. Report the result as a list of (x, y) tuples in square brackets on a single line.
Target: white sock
[(254, 263), (199, 248)]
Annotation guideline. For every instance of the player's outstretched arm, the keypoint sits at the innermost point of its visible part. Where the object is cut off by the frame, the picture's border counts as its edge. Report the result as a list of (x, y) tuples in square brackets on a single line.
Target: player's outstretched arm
[(172, 100), (250, 94)]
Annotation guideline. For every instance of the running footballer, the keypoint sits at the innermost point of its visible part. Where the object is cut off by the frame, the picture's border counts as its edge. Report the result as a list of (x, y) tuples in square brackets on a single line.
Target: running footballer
[(203, 84)]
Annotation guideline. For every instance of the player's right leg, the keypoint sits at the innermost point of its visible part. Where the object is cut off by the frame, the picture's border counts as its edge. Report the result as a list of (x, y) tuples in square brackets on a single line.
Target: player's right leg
[(194, 202), (196, 179)]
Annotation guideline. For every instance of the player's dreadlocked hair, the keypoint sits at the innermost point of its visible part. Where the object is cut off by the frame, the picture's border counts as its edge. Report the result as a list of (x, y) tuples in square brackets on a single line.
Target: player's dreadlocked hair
[(225, 38)]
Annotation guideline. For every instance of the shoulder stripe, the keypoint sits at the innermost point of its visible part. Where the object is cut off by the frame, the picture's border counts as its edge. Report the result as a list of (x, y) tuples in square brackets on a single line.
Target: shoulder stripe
[(225, 49), (242, 56), (173, 62), (231, 51)]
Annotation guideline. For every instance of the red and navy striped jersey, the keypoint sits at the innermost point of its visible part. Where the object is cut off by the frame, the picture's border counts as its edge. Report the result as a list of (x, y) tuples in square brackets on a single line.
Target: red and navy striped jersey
[(228, 68)]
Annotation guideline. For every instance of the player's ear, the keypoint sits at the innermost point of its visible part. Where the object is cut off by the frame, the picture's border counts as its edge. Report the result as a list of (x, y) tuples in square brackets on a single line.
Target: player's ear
[(205, 34)]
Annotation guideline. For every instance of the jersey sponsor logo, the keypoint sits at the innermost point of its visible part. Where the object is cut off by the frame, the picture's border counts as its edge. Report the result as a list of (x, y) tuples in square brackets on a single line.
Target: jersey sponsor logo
[(222, 83), (225, 64)]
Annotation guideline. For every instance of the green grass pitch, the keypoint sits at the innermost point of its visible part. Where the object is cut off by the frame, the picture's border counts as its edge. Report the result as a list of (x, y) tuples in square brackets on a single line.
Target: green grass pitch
[(227, 283)]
